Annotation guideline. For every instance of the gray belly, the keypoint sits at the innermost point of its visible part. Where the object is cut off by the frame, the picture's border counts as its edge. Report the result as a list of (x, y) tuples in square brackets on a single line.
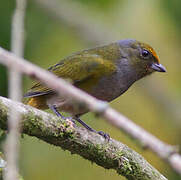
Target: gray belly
[(109, 88)]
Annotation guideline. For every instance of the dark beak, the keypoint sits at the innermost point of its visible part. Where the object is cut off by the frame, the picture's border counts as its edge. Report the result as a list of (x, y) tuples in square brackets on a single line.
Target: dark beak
[(158, 67)]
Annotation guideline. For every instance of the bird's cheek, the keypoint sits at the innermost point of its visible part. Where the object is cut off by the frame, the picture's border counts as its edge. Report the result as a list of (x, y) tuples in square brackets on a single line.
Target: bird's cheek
[(149, 69)]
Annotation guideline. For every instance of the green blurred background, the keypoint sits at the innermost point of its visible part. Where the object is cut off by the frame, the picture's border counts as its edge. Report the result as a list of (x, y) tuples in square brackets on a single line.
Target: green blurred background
[(153, 103)]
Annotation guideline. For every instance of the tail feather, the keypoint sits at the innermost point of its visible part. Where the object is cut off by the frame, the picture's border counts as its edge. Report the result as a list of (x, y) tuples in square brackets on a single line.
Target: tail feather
[(35, 94), (38, 102)]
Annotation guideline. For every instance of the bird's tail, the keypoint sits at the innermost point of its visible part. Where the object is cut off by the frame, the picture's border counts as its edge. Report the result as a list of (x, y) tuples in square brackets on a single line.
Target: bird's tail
[(38, 102)]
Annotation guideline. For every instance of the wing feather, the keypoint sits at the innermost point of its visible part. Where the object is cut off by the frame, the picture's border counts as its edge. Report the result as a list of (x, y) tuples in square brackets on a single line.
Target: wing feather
[(76, 69)]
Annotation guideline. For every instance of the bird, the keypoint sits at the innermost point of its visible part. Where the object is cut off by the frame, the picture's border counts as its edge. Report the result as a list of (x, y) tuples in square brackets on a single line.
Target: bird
[(105, 72)]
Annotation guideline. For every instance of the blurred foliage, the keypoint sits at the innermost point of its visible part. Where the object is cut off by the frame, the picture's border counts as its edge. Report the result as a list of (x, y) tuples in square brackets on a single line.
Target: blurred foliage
[(48, 40), (102, 4), (173, 10), (6, 9)]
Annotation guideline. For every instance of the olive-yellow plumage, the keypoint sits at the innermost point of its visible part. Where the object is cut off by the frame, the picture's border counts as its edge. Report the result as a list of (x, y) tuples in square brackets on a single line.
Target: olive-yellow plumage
[(105, 72)]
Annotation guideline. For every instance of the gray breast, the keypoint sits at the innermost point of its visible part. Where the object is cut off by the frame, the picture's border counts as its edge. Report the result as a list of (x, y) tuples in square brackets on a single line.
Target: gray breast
[(112, 86)]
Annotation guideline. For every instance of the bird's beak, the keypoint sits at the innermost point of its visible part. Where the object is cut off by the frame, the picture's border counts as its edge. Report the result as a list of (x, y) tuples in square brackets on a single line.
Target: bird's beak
[(158, 67)]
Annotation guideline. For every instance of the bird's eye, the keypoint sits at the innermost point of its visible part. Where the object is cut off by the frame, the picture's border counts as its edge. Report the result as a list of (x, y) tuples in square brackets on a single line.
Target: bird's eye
[(145, 53)]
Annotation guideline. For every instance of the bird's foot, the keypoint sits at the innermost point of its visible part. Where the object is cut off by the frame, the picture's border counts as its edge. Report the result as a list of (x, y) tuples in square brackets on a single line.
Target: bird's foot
[(105, 135), (67, 118), (54, 109), (70, 119)]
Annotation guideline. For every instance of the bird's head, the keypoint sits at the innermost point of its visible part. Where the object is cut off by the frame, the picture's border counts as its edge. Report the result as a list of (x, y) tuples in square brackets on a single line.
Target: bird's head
[(142, 57)]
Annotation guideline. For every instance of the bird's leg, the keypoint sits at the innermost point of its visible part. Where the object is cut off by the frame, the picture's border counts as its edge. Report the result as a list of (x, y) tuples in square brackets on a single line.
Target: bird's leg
[(84, 124), (105, 135), (54, 109)]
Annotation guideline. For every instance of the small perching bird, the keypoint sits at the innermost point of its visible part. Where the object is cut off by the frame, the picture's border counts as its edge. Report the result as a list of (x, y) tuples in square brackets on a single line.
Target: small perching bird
[(104, 72)]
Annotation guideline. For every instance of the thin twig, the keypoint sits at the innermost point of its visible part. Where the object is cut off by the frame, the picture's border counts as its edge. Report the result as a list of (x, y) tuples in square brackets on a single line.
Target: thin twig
[(63, 133), (162, 149), (18, 33), (17, 46)]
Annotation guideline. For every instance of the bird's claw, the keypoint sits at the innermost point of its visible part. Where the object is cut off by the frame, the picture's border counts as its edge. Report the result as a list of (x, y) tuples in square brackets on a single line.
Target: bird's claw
[(105, 135), (70, 119)]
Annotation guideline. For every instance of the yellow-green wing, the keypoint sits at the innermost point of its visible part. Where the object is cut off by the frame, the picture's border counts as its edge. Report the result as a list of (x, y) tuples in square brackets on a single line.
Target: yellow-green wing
[(81, 70)]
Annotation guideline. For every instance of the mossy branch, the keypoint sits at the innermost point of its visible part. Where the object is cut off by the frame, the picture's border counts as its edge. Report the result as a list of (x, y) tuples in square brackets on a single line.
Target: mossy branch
[(89, 145)]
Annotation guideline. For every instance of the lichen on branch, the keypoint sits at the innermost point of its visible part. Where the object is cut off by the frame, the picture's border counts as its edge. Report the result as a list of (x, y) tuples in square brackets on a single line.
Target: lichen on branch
[(63, 133)]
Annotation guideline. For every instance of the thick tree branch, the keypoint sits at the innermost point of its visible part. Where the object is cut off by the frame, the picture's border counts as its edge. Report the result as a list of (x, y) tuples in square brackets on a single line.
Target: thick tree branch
[(163, 150), (108, 154)]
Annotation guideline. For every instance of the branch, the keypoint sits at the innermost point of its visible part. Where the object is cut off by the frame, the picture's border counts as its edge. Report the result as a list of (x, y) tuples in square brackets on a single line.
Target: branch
[(15, 93), (17, 32), (89, 145), (163, 150)]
